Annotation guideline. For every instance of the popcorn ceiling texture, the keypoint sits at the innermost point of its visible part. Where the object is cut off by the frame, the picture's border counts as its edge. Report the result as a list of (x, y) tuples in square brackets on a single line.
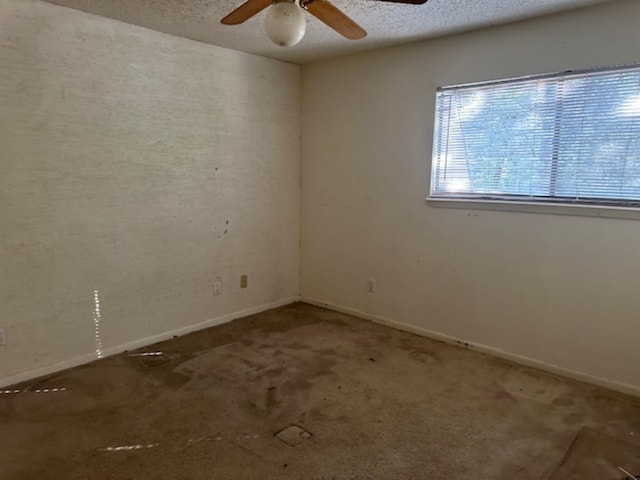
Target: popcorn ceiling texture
[(386, 23), (143, 166)]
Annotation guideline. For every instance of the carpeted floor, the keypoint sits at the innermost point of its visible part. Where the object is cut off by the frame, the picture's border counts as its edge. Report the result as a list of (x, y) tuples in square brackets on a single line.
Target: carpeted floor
[(365, 402)]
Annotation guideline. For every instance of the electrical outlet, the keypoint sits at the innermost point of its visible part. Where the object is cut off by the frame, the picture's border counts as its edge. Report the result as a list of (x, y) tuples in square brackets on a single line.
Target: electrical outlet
[(371, 285), (244, 281), (217, 287), (3, 338)]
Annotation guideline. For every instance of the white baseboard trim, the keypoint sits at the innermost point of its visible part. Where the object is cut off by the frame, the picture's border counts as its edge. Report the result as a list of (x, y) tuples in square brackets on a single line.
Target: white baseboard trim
[(496, 352), (142, 342)]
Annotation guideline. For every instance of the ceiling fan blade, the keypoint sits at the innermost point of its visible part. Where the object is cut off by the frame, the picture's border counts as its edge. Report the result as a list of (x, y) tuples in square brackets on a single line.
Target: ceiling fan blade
[(412, 2), (245, 11), (326, 12)]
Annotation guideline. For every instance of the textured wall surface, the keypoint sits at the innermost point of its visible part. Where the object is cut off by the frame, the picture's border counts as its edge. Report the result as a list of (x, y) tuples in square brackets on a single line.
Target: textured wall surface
[(559, 289), (142, 166)]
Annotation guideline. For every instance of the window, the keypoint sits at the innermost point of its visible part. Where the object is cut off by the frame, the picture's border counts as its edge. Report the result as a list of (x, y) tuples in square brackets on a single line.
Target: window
[(569, 138)]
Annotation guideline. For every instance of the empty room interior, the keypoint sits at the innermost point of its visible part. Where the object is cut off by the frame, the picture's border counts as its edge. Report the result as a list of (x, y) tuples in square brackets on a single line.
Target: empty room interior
[(295, 239)]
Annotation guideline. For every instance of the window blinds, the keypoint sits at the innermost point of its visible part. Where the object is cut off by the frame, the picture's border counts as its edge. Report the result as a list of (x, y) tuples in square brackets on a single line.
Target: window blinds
[(570, 138)]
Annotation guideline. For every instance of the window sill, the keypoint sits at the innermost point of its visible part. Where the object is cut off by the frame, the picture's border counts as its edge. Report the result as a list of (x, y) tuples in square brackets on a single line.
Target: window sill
[(624, 213)]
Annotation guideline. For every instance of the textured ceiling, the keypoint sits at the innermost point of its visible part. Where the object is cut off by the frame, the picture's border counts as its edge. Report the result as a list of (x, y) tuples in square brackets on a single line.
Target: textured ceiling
[(386, 23)]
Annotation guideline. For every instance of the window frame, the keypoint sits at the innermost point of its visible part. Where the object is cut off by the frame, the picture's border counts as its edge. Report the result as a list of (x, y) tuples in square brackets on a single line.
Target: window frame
[(589, 206)]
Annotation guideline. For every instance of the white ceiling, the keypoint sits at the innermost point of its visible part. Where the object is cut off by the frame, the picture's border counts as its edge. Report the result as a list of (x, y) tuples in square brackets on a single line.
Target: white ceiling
[(386, 23)]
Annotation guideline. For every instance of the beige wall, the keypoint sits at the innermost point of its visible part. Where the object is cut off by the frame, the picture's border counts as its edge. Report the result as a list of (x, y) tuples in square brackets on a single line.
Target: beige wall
[(141, 165), (125, 152), (560, 290)]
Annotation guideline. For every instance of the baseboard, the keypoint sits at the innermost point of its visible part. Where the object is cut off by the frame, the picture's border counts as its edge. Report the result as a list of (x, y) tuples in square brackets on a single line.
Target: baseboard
[(143, 342), (496, 352)]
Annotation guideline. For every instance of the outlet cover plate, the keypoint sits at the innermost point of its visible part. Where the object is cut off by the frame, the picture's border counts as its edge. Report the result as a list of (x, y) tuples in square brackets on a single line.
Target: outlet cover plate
[(371, 285)]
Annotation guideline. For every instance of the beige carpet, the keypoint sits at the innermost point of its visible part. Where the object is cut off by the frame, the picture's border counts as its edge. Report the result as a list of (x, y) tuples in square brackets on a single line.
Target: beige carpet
[(596, 455), (306, 393)]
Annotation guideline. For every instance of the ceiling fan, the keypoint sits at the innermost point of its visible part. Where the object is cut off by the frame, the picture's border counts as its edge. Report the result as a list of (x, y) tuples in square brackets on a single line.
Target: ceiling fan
[(285, 21)]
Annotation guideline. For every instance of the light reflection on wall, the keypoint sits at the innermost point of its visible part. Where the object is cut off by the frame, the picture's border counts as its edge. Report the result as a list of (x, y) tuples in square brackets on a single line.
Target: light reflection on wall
[(96, 322)]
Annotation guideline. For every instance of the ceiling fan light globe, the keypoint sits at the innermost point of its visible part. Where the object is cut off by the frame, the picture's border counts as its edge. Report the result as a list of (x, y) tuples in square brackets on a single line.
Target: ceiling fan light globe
[(285, 24)]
